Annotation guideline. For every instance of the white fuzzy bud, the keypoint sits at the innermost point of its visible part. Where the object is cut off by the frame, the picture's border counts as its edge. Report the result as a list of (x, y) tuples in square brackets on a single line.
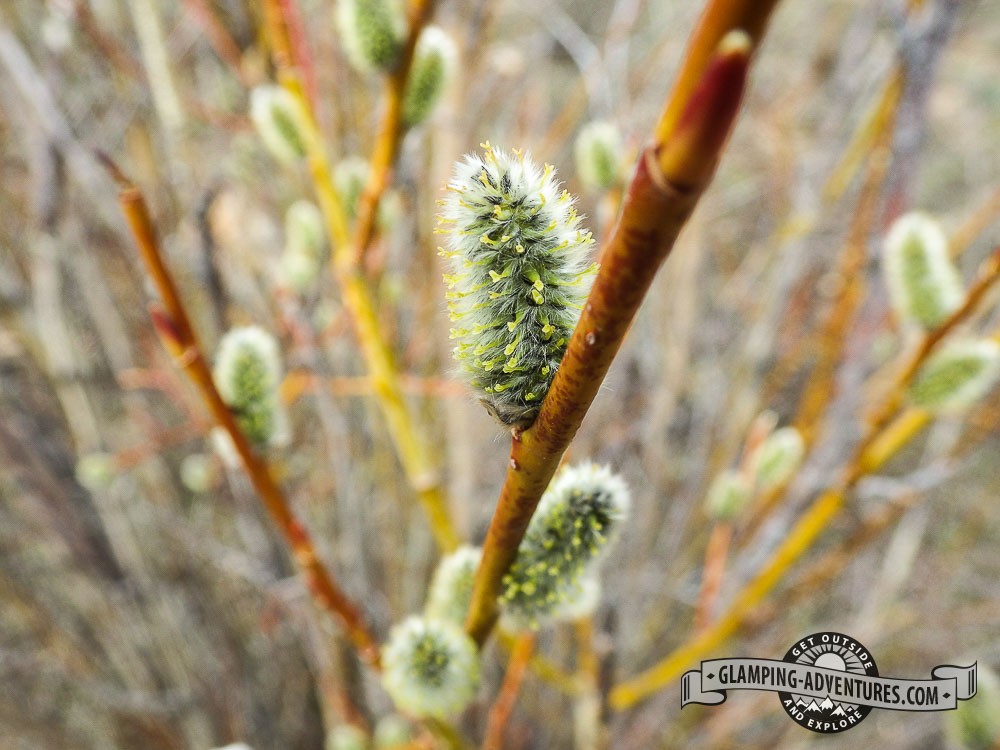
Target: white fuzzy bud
[(520, 275), (199, 473), (598, 155), (957, 376), (778, 458), (430, 667), (924, 285), (279, 119), (371, 32), (304, 228), (247, 373), (727, 496), (432, 70), (305, 239), (575, 523), (451, 587), (95, 470)]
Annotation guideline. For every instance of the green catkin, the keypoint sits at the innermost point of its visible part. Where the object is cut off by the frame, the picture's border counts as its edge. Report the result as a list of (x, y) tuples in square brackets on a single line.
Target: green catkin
[(519, 276), (350, 176), (451, 587), (975, 724), (371, 32), (957, 376), (924, 285), (304, 228), (574, 524), (430, 667), (199, 472), (277, 117), (305, 239), (433, 66), (727, 496), (598, 155), (247, 373), (95, 471), (778, 458)]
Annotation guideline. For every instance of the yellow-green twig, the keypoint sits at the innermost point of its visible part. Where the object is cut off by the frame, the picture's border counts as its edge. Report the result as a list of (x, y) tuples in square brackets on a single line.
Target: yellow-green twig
[(410, 445), (883, 439)]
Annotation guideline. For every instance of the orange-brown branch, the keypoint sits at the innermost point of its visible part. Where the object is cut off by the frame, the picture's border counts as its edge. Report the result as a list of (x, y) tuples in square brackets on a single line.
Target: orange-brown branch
[(178, 335), (664, 190), (504, 704)]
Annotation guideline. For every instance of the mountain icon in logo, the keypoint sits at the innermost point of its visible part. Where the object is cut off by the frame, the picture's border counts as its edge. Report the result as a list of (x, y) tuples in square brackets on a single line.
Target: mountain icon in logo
[(827, 704)]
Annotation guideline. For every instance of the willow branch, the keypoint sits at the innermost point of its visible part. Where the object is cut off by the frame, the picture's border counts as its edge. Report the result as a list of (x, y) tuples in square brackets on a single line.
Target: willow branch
[(178, 335), (718, 19), (669, 179), (499, 716), (986, 277), (410, 445), (390, 133)]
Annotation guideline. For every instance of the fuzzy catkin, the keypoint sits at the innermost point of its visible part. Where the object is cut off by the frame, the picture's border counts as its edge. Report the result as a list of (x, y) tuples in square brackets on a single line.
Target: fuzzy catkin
[(278, 118), (433, 65), (598, 155), (778, 458), (430, 667), (451, 587), (727, 496), (95, 471), (305, 239), (957, 376), (247, 373), (574, 524), (924, 285), (371, 32), (519, 276)]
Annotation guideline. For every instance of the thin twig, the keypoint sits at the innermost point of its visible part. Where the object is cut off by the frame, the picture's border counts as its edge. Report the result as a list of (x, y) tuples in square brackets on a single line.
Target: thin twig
[(390, 132), (987, 276), (975, 225), (830, 341), (504, 704), (716, 553), (831, 338), (179, 337), (411, 446)]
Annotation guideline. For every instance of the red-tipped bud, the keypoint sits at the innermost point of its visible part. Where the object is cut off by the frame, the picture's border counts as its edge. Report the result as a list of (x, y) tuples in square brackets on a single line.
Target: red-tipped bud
[(167, 330), (688, 155)]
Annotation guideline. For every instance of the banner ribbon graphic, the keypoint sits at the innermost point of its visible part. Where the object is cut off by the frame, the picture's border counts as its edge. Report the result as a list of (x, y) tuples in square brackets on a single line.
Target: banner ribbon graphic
[(948, 684)]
